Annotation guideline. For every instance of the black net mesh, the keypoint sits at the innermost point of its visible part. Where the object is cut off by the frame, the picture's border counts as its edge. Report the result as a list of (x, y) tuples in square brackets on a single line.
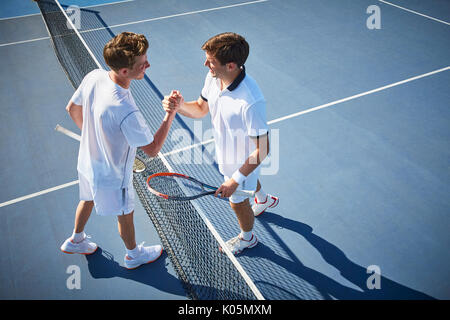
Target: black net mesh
[(205, 272)]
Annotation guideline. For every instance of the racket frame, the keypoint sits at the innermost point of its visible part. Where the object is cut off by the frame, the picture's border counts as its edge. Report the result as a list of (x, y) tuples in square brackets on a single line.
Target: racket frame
[(245, 193)]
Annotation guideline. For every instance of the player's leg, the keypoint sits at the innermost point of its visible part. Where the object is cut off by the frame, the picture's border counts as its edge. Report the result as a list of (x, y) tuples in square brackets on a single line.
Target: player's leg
[(136, 254), (258, 186), (79, 241), (244, 213), (126, 230), (82, 214)]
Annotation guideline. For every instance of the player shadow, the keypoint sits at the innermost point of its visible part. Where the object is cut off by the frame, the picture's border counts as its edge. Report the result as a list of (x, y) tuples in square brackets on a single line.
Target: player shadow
[(326, 286), (102, 265)]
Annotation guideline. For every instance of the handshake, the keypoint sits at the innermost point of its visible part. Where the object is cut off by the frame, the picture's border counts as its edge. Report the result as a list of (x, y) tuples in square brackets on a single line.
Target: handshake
[(173, 102)]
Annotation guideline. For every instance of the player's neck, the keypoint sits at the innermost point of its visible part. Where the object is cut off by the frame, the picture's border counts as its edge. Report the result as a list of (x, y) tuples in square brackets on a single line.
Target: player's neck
[(229, 78), (119, 80)]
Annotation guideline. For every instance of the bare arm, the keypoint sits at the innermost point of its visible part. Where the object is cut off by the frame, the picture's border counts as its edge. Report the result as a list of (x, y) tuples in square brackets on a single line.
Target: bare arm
[(192, 109), (257, 156), (76, 113), (160, 136)]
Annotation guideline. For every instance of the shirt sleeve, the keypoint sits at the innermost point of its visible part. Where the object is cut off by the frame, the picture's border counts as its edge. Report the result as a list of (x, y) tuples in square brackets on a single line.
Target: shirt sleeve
[(135, 130), (255, 119), (77, 97), (205, 90)]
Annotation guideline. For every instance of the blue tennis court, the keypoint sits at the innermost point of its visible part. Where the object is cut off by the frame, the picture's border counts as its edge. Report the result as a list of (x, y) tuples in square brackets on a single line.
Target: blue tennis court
[(358, 107)]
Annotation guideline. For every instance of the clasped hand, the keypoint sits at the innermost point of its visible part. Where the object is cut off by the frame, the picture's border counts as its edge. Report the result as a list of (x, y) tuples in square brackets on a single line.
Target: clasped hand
[(173, 102)]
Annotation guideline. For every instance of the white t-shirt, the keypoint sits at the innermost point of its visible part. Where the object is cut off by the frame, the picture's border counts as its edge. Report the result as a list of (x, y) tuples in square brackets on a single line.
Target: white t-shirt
[(113, 127), (237, 113)]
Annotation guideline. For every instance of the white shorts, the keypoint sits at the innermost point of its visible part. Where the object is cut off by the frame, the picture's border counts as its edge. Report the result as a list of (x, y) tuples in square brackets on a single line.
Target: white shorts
[(249, 183), (107, 202)]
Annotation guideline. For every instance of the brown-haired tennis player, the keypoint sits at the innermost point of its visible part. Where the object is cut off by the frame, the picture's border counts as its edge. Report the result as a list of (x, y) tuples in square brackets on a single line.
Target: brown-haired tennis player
[(112, 128), (238, 114)]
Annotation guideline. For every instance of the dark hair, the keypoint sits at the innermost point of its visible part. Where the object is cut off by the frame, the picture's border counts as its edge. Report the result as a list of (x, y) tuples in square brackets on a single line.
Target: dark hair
[(228, 47), (122, 50)]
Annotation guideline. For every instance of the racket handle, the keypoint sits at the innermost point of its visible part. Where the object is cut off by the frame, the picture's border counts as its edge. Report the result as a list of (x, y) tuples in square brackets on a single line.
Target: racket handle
[(245, 193), (68, 133)]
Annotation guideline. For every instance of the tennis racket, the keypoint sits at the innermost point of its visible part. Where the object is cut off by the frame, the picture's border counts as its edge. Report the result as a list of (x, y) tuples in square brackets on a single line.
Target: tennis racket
[(180, 187), (138, 165)]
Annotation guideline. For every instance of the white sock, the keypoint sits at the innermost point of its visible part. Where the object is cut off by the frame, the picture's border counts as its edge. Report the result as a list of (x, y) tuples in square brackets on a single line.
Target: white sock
[(261, 196), (246, 235), (133, 253), (78, 237)]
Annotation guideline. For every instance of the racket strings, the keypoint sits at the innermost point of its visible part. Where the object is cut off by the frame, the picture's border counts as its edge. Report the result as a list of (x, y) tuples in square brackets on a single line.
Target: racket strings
[(175, 186)]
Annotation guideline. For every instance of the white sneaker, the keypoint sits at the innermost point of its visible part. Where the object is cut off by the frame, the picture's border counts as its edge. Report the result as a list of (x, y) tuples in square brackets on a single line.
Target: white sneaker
[(236, 245), (260, 207), (84, 247), (146, 255)]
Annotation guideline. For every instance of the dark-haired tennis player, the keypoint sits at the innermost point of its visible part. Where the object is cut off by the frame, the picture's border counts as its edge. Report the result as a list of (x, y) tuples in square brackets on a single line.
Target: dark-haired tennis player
[(112, 127), (238, 113)]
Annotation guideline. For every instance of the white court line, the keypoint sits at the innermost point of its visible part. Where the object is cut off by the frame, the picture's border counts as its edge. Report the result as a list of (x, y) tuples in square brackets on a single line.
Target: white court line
[(323, 106), (178, 15), (359, 95), (23, 41), (92, 6), (18, 17), (107, 4), (142, 21), (415, 12), (33, 195), (270, 122)]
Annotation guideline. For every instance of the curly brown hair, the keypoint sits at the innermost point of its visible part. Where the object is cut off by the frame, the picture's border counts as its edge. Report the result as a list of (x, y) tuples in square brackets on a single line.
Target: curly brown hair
[(228, 47), (122, 50)]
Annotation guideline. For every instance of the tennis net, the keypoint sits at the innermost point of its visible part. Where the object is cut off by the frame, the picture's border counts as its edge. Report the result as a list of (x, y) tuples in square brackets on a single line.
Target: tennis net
[(187, 228)]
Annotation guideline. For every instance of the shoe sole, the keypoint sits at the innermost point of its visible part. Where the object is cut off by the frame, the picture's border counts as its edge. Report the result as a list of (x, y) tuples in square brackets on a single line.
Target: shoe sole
[(162, 249), (86, 254)]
